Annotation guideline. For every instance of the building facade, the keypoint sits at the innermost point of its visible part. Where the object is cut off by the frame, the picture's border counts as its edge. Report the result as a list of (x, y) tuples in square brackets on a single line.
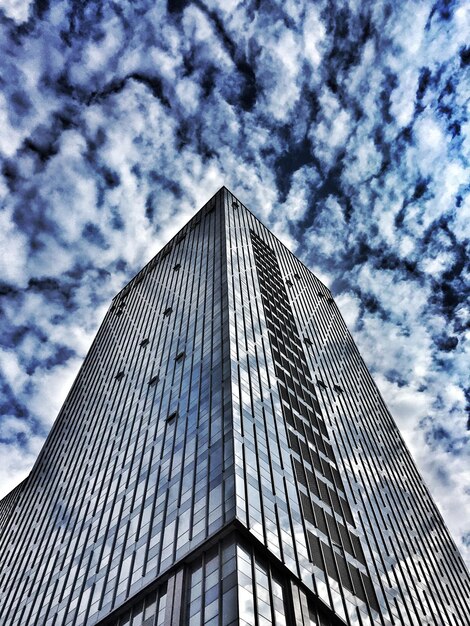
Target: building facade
[(225, 458)]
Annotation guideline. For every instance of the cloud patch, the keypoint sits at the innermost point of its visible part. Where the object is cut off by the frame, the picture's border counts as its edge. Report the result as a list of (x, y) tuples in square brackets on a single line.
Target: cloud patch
[(343, 126)]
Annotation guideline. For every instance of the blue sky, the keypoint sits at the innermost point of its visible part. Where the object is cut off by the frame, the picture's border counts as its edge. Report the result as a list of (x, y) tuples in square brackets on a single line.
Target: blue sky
[(343, 125)]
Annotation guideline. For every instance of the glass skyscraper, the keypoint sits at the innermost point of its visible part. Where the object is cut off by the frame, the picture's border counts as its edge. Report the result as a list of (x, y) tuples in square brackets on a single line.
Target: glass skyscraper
[(224, 458)]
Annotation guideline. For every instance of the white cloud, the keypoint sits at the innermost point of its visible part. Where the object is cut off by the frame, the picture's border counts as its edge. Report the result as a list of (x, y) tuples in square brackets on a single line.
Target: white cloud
[(11, 136), (17, 10), (402, 106), (435, 265), (349, 305), (364, 160), (278, 71), (13, 251), (49, 391), (313, 36), (333, 129), (12, 371)]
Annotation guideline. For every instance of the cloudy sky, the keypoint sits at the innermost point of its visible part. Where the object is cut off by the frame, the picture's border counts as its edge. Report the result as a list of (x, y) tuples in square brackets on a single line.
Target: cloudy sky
[(342, 125)]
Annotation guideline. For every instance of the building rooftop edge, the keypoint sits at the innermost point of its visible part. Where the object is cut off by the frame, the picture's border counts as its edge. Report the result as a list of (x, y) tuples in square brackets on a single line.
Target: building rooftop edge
[(169, 243)]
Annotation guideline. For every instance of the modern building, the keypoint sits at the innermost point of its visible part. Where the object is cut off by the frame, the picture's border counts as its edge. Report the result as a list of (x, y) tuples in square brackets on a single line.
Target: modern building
[(225, 458)]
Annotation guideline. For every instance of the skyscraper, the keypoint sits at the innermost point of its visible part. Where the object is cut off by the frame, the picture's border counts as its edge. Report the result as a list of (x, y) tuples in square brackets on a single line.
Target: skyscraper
[(223, 458)]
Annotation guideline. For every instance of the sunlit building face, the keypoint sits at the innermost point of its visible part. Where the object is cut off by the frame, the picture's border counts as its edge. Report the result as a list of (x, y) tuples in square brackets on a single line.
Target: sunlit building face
[(224, 458)]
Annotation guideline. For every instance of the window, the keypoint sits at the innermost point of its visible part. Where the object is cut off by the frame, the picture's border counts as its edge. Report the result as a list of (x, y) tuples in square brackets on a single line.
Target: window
[(152, 263), (172, 416)]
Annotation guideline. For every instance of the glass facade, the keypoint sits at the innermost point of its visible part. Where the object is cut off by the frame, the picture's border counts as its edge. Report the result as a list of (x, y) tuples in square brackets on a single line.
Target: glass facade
[(138, 468), (323, 477), (225, 458)]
